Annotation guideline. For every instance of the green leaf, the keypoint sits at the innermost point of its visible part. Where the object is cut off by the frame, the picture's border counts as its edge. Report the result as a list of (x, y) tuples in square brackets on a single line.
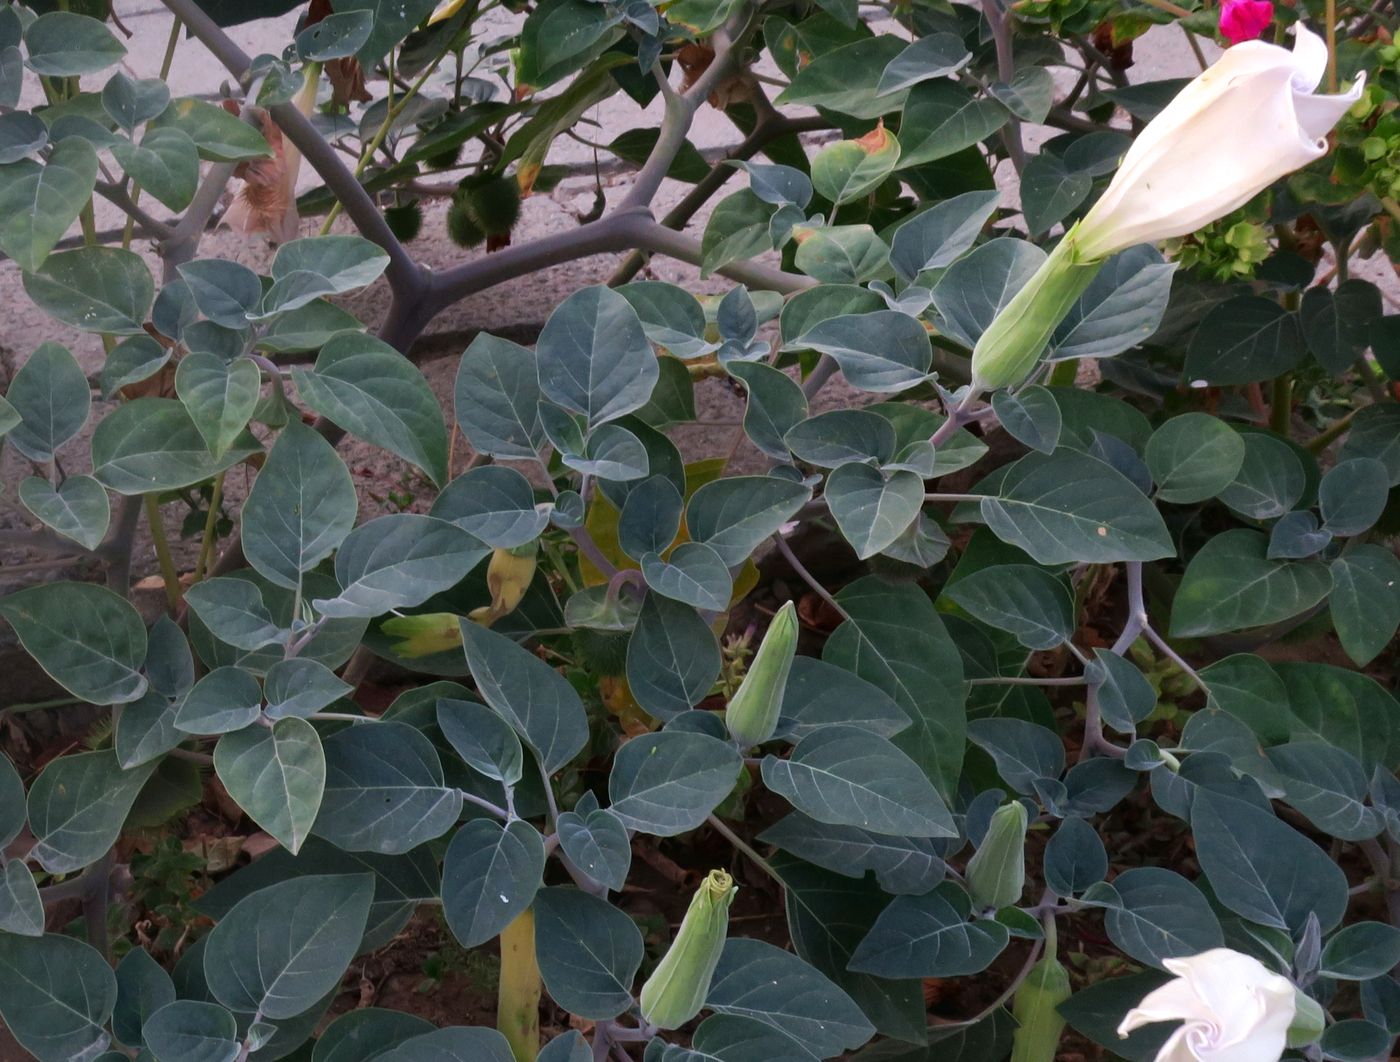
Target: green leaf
[(335, 36), (1375, 432), (306, 328), (21, 909), (1025, 601), (527, 693), (301, 507), (90, 640), (189, 1030), (397, 561), (134, 359), (588, 952), (1352, 495), (693, 574), (1158, 914), (1271, 479), (1329, 786), (975, 288), (671, 316), (50, 393), (594, 359), (1262, 869), (558, 38), (401, 883), (738, 228), (1031, 416), (21, 135), (1122, 307), (1365, 607), (1126, 697), (220, 396), (225, 292), (725, 1036), (873, 508), (489, 877), (941, 118), (226, 699), (276, 774), (1050, 190), (453, 1044), (847, 776), (1361, 951), (667, 783), (1232, 585), (130, 102), (494, 503), (1069, 507), (1075, 858), (301, 687), (1029, 95), (219, 136), (367, 1033), (828, 915), (497, 397), (1024, 752), (1244, 340), (1342, 708), (755, 979), (384, 790), (234, 612), (1097, 1011), (934, 56), (143, 987), (278, 951), (77, 806), (94, 289), (151, 444), (59, 994), (1194, 457), (902, 865), (936, 237), (166, 164), (596, 842), (819, 694), (65, 44), (146, 729), (883, 352), (929, 936), (847, 78), (841, 436), (78, 509), (895, 640), (12, 810), (841, 254), (482, 738), (734, 514), (846, 170), (673, 657)]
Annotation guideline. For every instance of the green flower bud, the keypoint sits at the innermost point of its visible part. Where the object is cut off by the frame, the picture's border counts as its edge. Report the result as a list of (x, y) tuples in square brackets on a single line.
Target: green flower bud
[(1037, 1037), (752, 715), (996, 873), (676, 989), (1012, 344), (1308, 1020)]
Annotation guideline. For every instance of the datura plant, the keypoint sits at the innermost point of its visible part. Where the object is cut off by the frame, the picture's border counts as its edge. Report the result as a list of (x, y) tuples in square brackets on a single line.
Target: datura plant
[(922, 586)]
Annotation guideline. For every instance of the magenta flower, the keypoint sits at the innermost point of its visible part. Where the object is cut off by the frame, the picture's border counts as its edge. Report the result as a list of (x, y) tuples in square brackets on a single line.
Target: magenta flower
[(1245, 20)]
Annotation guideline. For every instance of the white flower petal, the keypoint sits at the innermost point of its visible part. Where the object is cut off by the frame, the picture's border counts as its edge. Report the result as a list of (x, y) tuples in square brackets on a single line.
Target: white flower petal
[(1173, 1001), (1178, 1046), (1309, 59)]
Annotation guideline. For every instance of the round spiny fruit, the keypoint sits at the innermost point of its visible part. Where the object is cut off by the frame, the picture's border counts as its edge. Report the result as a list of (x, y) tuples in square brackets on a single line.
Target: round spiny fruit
[(405, 220), (444, 159), (494, 200), (461, 223)]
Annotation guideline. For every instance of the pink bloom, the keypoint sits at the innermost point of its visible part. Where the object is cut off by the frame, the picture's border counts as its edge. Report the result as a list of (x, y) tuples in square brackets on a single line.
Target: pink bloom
[(1245, 20)]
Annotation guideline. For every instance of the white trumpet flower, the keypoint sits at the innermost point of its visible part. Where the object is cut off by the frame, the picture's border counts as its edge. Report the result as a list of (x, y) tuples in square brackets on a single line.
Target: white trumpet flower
[(1250, 119)]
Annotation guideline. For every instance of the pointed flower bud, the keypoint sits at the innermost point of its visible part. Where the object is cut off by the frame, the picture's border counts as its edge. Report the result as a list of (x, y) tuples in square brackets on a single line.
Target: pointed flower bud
[(508, 576), (1035, 1008), (752, 715), (676, 989), (996, 873)]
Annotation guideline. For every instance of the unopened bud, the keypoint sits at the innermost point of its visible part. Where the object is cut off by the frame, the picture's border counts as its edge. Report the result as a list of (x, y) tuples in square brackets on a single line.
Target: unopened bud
[(508, 577), (432, 632), (1035, 1009), (752, 715), (676, 989), (1308, 1020), (996, 873)]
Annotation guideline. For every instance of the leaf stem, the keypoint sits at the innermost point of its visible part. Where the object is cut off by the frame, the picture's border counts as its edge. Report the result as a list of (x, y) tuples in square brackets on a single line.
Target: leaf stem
[(206, 545), (168, 571), (744, 847)]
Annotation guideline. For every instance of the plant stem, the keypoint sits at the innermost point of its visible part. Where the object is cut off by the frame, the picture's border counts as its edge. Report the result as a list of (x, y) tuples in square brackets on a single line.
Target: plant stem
[(206, 545), (518, 998), (743, 846), (168, 571), (1281, 408), (808, 578), (1330, 433)]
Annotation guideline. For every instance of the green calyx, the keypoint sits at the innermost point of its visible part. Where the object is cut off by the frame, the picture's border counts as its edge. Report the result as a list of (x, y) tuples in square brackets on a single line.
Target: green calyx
[(1036, 1010), (676, 989), (752, 715), (1008, 350)]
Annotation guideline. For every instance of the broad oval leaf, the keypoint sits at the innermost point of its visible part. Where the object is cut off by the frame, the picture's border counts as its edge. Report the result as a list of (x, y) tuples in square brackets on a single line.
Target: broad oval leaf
[(94, 289), (276, 774), (673, 657), (1231, 584), (594, 357), (489, 877), (733, 515), (929, 936), (588, 952), (59, 994), (50, 395), (78, 509), (1159, 915), (667, 783), (151, 444), (77, 806)]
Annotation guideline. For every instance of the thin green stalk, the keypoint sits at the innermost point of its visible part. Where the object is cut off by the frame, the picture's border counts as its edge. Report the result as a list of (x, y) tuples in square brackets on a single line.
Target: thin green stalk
[(743, 846), (395, 109), (1331, 432), (166, 560), (206, 546)]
